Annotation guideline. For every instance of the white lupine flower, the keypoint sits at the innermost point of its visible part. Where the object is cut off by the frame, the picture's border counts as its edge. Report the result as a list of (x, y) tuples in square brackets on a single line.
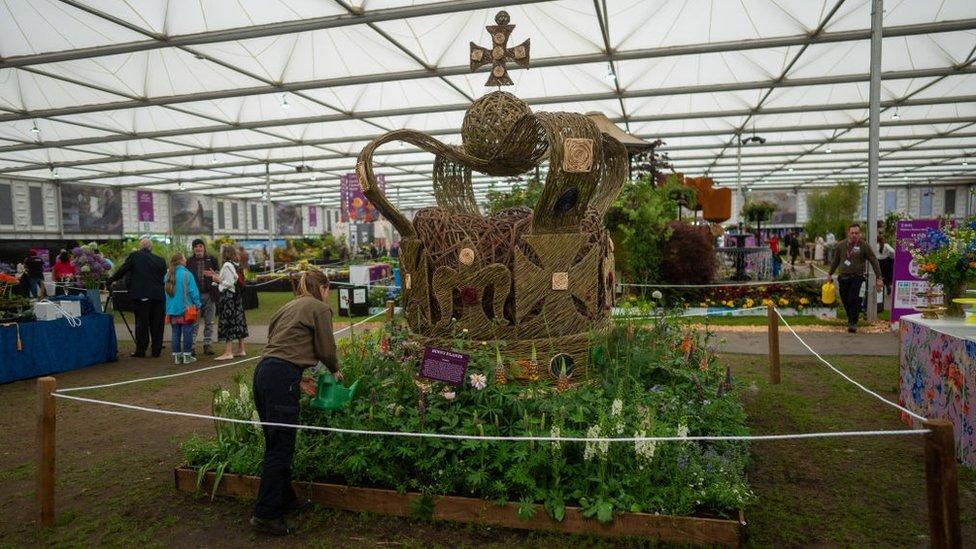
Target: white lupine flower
[(245, 392), (224, 396), (656, 294), (554, 432), (591, 447), (619, 427), (644, 448), (682, 430), (616, 407), (255, 416), (478, 381)]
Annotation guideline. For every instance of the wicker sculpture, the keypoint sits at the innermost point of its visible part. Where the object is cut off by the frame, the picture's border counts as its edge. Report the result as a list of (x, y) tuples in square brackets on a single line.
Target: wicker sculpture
[(539, 278)]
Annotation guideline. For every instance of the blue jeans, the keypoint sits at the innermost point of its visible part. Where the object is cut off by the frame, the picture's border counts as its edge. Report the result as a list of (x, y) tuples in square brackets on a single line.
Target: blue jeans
[(182, 332), (35, 286)]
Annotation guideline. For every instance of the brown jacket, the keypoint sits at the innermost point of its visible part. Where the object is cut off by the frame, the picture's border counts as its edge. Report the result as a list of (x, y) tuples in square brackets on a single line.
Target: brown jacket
[(301, 333), (853, 262)]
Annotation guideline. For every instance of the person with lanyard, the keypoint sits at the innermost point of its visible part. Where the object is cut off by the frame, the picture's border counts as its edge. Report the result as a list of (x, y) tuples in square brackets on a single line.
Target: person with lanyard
[(299, 337), (850, 257)]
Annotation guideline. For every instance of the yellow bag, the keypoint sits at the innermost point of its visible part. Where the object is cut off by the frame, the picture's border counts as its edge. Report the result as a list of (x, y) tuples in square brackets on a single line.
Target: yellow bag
[(828, 293)]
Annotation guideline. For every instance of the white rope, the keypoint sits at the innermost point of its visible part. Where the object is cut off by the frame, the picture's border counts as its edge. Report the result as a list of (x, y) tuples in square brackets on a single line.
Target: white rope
[(723, 284), (845, 376), (411, 434), (363, 321), (73, 321), (188, 372)]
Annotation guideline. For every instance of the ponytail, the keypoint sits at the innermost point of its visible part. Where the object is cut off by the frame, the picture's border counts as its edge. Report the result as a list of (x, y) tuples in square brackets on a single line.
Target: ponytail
[(174, 262), (311, 284)]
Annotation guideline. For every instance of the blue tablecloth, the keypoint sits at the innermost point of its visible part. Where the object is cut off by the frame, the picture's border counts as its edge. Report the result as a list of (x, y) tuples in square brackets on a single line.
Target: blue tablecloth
[(53, 346)]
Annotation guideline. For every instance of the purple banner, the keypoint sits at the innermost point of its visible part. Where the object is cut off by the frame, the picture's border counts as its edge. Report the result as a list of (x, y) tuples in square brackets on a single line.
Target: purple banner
[(354, 204), (313, 216), (907, 281), (444, 365), (144, 199)]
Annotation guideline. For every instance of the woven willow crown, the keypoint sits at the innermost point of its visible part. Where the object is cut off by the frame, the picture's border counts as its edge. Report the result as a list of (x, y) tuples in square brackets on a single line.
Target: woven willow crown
[(539, 278)]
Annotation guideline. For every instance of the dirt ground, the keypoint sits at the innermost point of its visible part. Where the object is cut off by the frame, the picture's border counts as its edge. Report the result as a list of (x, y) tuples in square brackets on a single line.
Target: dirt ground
[(115, 470)]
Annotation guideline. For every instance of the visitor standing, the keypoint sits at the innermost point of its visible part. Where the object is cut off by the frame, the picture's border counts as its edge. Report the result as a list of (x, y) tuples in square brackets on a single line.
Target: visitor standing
[(818, 249), (326, 255), (62, 273), (344, 254), (831, 242), (793, 244), (230, 283), (774, 248), (34, 269), (243, 258), (886, 258), (850, 257), (299, 337), (144, 282), (204, 266), (181, 294)]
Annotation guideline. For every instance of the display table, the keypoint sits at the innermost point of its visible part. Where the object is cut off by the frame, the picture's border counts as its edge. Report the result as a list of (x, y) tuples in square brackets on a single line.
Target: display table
[(937, 376), (54, 346)]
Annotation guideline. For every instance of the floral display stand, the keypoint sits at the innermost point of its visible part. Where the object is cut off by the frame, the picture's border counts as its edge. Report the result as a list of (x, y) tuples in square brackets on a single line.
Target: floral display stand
[(938, 377)]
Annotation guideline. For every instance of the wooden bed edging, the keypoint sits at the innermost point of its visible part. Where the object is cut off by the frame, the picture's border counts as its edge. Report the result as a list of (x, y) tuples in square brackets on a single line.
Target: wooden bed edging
[(702, 531)]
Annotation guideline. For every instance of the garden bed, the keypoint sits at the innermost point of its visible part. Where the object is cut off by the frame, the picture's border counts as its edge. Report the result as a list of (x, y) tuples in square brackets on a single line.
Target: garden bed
[(696, 530)]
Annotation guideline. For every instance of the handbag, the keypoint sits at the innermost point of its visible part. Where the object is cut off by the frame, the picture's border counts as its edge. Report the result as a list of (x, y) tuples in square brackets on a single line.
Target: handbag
[(190, 313)]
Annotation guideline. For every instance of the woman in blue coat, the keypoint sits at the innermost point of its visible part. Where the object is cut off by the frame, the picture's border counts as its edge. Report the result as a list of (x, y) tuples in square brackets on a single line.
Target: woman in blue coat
[(181, 293)]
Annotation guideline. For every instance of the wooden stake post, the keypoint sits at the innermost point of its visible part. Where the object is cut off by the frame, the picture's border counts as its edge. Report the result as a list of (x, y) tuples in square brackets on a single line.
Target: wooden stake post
[(45, 450), (773, 344), (389, 309), (942, 485)]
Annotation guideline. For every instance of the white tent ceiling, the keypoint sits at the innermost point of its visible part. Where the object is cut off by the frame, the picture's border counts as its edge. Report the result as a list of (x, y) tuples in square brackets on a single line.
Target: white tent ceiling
[(204, 93)]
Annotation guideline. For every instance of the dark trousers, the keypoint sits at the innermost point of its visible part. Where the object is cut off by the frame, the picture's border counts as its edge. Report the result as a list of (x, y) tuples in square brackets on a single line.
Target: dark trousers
[(149, 325), (850, 296), (276, 392)]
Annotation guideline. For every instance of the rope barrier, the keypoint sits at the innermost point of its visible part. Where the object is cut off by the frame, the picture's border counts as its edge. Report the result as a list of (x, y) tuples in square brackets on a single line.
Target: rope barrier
[(845, 376), (497, 438), (198, 370), (690, 315)]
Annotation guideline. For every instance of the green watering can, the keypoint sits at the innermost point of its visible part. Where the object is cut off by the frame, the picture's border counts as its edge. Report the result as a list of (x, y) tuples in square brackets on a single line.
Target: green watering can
[(332, 395)]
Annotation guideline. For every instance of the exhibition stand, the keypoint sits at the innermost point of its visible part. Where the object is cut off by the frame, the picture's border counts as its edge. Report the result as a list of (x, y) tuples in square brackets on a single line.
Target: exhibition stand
[(32, 349), (937, 360)]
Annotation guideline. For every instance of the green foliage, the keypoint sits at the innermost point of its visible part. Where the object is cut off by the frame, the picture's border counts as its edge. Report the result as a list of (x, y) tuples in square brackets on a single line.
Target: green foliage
[(638, 222), (832, 210), (891, 223), (517, 195), (759, 211), (662, 382)]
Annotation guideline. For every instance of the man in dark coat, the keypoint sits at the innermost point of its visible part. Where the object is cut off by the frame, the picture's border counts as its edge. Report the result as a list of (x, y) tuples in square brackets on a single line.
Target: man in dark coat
[(144, 274), (202, 265)]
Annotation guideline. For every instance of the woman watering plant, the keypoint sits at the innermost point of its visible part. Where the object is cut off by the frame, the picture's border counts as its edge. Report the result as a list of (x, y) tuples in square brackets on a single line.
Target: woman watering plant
[(182, 304), (299, 337)]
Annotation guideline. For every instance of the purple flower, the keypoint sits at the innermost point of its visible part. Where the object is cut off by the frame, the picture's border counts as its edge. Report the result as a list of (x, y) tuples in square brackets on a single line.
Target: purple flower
[(76, 251)]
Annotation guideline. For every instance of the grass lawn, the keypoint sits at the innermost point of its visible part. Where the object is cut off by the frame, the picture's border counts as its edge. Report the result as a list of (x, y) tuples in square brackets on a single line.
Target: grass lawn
[(115, 484)]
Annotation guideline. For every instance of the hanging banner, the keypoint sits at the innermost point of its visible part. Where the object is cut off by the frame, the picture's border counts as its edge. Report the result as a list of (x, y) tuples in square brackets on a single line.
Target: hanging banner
[(192, 214), (355, 206), (313, 214), (144, 201), (91, 209), (907, 281), (288, 219)]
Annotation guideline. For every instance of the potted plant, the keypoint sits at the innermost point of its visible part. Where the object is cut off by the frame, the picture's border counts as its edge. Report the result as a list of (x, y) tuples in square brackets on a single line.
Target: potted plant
[(947, 257), (758, 211), (92, 271)]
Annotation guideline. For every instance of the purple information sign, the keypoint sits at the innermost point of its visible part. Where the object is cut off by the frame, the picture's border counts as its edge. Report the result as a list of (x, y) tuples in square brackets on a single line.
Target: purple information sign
[(444, 365), (353, 203), (145, 201), (313, 216), (907, 280)]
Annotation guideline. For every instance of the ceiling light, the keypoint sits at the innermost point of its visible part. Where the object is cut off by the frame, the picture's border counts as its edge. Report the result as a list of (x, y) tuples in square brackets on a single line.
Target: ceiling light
[(610, 74), (311, 177), (965, 162), (54, 172), (828, 151), (284, 101), (35, 129), (181, 186), (213, 159), (895, 116), (790, 170), (321, 202)]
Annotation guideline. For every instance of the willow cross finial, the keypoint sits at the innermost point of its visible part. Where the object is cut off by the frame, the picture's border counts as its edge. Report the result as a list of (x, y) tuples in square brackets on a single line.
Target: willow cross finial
[(499, 53)]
